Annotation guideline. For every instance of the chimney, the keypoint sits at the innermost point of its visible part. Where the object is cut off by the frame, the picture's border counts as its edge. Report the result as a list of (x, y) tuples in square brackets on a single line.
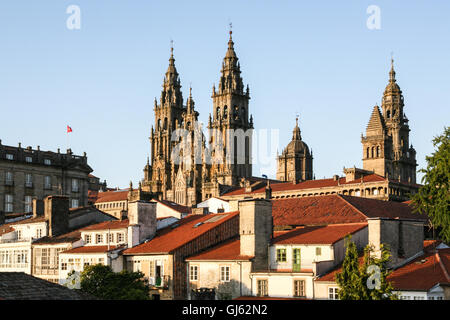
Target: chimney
[(256, 230), (38, 208), (142, 221), (56, 210), (268, 191)]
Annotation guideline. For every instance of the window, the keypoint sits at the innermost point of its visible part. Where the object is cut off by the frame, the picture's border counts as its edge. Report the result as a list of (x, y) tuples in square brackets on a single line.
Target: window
[(418, 298), (281, 255), (333, 293), (87, 238), (47, 182), (19, 234), (38, 233), (262, 288), (9, 199), (28, 204), (28, 180), (9, 178), (47, 162), (9, 156), (101, 260), (299, 288), (74, 185), (75, 203), (318, 251), (120, 237), (28, 159), (194, 273), (225, 273), (111, 237), (98, 238)]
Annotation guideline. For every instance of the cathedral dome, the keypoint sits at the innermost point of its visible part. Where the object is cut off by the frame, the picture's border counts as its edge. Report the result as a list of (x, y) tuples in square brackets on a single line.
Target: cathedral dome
[(296, 146)]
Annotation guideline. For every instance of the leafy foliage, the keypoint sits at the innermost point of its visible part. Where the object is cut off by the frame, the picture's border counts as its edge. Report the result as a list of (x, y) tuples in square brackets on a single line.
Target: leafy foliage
[(101, 282), (433, 197), (358, 281)]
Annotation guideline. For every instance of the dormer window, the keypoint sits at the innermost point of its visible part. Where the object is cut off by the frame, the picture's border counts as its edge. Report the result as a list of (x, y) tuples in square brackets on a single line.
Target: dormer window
[(9, 156), (47, 162), (28, 159)]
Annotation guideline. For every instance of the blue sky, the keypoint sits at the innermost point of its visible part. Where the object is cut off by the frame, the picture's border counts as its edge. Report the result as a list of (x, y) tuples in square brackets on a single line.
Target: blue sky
[(317, 58)]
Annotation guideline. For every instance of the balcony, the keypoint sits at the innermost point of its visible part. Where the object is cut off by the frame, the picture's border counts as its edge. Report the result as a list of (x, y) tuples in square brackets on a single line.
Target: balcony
[(160, 282)]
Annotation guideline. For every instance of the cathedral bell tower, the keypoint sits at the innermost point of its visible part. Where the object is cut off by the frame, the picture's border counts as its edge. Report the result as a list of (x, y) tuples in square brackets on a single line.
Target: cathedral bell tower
[(231, 126), (168, 113), (295, 162), (386, 148)]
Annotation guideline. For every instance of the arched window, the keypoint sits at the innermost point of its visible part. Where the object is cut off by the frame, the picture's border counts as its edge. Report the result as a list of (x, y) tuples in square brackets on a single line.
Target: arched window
[(225, 112), (373, 152), (159, 124), (165, 123), (218, 112), (388, 114), (378, 151), (368, 152)]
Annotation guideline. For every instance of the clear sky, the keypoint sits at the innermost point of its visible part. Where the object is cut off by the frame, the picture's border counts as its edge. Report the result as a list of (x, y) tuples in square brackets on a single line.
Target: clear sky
[(317, 58)]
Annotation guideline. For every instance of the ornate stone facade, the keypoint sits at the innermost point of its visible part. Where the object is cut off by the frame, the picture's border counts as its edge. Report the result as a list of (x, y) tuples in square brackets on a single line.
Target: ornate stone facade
[(199, 173)]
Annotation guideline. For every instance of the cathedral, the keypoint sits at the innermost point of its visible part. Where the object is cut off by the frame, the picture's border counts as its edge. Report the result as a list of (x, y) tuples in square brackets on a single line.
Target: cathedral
[(207, 168), (187, 168)]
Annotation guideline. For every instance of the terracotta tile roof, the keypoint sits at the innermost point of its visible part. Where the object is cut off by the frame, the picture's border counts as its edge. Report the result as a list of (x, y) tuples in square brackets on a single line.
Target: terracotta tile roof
[(308, 184), (175, 206), (319, 210), (316, 235), (373, 208), (330, 276), (228, 250), (93, 249), (109, 196), (183, 231), (336, 209), (21, 286), (116, 224), (423, 273)]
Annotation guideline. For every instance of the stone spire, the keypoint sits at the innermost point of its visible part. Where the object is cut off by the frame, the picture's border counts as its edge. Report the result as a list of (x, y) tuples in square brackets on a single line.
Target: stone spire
[(171, 86), (376, 124), (296, 135), (190, 102), (231, 80)]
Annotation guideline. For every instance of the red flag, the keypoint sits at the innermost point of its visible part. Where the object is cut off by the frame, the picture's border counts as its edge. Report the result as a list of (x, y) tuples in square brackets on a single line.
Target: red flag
[(69, 129)]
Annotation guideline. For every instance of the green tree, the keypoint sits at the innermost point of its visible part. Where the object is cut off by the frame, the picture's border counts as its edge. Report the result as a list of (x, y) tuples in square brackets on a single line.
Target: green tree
[(366, 280), (101, 282), (433, 197)]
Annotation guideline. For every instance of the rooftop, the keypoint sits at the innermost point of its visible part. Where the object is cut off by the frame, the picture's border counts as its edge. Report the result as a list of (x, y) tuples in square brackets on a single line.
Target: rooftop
[(109, 196), (228, 250), (106, 225), (424, 272), (183, 231), (337, 209), (316, 234), (21, 286)]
